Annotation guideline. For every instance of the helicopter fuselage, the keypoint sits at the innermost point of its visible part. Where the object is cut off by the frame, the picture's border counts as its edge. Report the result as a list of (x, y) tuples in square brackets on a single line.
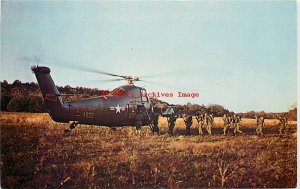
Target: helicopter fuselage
[(116, 109), (107, 110)]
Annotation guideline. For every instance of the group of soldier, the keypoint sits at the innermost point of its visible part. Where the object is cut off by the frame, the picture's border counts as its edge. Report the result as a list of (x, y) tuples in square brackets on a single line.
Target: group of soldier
[(207, 121), (260, 122), (234, 121)]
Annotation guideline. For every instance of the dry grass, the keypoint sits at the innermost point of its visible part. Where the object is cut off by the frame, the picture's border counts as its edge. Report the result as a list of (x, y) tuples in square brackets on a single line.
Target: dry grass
[(36, 154)]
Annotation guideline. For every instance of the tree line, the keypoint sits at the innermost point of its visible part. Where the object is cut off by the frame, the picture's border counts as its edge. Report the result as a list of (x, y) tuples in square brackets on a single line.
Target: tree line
[(26, 97), (218, 110)]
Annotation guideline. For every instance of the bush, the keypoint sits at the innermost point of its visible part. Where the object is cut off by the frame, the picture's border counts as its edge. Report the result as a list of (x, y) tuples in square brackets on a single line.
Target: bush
[(35, 104), (17, 104)]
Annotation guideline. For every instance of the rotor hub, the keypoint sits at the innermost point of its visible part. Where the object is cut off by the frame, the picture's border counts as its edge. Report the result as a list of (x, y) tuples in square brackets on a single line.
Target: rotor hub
[(131, 79)]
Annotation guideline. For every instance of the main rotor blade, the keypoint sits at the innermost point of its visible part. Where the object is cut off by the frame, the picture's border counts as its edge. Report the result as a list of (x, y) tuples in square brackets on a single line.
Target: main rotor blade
[(164, 74), (170, 86), (157, 83), (86, 69), (95, 80), (111, 80), (65, 64)]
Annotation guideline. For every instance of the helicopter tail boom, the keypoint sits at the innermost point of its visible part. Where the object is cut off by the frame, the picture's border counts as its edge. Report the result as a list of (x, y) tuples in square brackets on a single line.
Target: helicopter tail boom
[(50, 93)]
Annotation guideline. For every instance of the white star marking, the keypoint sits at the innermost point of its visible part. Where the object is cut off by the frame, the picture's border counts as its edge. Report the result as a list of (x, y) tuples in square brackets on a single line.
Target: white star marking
[(117, 108)]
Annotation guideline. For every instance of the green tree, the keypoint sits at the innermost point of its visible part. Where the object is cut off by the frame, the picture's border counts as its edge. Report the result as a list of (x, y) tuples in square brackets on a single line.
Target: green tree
[(35, 104), (217, 110), (17, 104), (5, 98)]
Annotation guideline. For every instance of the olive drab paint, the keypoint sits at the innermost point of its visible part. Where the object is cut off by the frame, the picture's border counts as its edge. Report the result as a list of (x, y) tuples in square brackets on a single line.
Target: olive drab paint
[(110, 110)]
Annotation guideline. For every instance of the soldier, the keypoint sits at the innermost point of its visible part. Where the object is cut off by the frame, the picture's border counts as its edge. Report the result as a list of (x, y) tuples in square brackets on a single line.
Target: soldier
[(260, 122), (212, 116), (188, 120), (171, 123), (236, 123), (139, 121), (200, 121), (209, 120), (230, 121), (155, 117), (282, 125), (226, 123)]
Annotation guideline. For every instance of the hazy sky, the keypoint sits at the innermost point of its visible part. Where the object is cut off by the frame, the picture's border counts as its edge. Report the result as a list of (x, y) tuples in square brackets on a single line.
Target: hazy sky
[(241, 55)]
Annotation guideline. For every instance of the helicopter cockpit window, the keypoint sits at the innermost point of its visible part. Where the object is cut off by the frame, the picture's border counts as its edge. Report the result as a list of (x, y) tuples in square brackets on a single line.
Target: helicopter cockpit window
[(118, 92), (144, 95)]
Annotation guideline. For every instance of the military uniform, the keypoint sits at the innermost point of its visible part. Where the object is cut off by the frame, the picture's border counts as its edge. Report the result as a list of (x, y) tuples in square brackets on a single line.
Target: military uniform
[(200, 120), (139, 122), (226, 123), (155, 117), (260, 122), (282, 125), (236, 123), (171, 124), (188, 122), (230, 121), (209, 120)]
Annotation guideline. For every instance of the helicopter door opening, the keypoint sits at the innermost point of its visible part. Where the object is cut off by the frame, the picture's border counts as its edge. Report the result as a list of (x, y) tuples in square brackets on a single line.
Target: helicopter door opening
[(132, 107)]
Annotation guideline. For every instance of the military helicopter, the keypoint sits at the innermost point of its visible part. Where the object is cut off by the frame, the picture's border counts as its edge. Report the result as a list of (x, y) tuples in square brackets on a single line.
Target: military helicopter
[(116, 109)]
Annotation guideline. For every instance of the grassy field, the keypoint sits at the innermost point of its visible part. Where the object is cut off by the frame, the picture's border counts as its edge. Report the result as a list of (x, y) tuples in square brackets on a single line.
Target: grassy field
[(35, 153)]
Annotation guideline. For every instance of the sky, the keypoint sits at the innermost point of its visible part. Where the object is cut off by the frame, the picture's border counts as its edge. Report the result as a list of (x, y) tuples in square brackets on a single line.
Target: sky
[(242, 55)]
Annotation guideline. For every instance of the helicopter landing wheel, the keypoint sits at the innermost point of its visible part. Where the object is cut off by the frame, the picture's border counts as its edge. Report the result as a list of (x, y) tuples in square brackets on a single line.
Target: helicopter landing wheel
[(71, 127)]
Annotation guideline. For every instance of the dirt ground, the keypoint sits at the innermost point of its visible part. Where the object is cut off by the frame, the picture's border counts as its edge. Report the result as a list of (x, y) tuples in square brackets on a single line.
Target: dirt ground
[(35, 153)]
